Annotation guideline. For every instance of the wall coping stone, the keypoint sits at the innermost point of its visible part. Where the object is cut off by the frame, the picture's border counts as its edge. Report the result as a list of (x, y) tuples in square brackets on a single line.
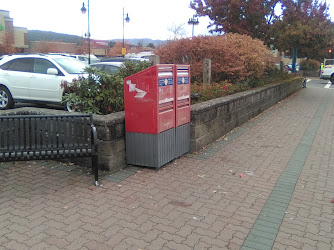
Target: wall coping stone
[(207, 105)]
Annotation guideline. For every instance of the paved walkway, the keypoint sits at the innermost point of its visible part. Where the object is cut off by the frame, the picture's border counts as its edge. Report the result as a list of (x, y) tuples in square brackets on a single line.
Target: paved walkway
[(266, 185)]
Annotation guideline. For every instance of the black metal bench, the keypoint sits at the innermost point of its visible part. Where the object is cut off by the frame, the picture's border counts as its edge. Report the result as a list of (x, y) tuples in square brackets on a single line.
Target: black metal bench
[(38, 137)]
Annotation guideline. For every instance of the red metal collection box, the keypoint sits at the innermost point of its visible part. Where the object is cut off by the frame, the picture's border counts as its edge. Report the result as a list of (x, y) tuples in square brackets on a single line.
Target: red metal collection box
[(157, 114), (149, 100), (182, 94)]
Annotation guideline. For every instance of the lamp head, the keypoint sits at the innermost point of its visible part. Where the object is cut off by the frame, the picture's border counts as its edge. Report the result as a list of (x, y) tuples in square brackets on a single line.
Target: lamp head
[(127, 19), (83, 9)]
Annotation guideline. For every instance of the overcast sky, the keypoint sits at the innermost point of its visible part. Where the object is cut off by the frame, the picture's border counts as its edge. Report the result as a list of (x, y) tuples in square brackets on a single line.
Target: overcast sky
[(148, 18)]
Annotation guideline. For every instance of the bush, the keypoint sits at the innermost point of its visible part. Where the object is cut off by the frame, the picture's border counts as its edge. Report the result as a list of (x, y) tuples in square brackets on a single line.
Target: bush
[(309, 65), (233, 57), (100, 92), (201, 93), (131, 67)]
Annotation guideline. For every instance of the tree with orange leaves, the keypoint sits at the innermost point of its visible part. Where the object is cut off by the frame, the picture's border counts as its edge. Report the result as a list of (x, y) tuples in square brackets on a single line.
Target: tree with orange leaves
[(7, 44)]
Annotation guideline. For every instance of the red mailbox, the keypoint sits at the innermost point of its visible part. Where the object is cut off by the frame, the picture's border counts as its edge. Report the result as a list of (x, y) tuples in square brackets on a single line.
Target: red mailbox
[(157, 114), (182, 90), (149, 100)]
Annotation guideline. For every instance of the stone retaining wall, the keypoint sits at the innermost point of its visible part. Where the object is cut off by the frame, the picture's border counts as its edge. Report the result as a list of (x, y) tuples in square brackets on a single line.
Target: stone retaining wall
[(209, 120), (311, 73)]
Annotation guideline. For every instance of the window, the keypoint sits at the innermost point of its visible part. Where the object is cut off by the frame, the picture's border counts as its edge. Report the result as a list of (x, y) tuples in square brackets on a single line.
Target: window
[(41, 66), (26, 40), (98, 66), (111, 69), (22, 64), (83, 58), (70, 65)]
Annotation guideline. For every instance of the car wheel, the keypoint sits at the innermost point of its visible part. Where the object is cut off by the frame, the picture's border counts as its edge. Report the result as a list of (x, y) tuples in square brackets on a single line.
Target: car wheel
[(71, 107), (332, 79), (6, 99)]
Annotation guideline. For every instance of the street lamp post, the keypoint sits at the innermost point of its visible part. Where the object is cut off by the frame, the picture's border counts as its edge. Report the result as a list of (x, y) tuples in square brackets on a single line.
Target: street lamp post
[(83, 11), (127, 19), (193, 21), (294, 51)]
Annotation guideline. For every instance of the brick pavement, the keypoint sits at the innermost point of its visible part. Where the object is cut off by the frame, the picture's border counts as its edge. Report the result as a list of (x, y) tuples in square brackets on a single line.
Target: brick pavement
[(265, 185)]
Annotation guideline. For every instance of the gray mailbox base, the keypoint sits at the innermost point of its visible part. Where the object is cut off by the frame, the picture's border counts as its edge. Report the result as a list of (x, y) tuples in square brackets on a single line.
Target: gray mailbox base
[(155, 150), (150, 150), (182, 140)]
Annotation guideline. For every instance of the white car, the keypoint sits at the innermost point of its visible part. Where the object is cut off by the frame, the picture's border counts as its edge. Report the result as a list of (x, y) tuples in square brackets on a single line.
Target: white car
[(327, 72), (110, 67), (36, 78), (85, 60)]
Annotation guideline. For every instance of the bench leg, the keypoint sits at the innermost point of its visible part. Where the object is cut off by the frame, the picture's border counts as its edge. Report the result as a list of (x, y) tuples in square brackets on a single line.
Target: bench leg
[(95, 169)]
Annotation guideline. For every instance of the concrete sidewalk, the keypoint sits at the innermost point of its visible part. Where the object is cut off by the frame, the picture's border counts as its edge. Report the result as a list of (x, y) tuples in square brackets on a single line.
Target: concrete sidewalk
[(266, 185)]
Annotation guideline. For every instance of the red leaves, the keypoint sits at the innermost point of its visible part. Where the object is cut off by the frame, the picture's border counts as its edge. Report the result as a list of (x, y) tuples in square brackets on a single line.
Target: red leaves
[(215, 90), (233, 56), (7, 44), (237, 16)]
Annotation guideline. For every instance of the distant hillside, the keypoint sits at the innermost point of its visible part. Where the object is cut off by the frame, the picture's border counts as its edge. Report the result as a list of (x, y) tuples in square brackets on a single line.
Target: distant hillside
[(142, 41), (38, 35)]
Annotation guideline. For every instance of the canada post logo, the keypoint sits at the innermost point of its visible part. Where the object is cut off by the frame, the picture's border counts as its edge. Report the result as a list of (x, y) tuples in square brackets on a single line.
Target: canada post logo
[(132, 88), (165, 82), (183, 80)]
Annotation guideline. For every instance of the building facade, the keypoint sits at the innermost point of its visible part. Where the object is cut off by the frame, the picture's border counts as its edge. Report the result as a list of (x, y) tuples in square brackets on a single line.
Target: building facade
[(17, 36)]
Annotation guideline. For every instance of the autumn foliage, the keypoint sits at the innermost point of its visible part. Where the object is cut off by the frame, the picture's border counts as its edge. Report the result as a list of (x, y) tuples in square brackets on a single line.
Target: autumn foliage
[(7, 44), (252, 17), (45, 47), (233, 57), (116, 50), (309, 65)]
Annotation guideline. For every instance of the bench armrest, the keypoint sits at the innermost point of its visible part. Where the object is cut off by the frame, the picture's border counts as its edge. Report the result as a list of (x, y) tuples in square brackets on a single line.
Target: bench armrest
[(94, 137)]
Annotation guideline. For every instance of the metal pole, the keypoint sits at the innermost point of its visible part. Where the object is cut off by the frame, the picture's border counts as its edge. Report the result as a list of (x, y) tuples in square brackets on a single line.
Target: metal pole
[(294, 59), (88, 36), (123, 27), (294, 54)]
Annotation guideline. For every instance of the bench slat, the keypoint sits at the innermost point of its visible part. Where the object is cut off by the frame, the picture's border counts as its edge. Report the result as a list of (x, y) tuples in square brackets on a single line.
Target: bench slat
[(30, 137), (27, 131)]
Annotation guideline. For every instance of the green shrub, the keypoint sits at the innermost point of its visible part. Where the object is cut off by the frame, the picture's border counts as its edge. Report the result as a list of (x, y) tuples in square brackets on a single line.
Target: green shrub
[(131, 67), (202, 92), (100, 92)]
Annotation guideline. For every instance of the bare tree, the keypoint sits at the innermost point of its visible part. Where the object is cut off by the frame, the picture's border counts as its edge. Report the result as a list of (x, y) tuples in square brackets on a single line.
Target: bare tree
[(177, 30)]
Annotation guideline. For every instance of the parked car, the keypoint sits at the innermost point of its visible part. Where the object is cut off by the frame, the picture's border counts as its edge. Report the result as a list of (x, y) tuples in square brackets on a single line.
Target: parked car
[(110, 67), (288, 67), (82, 58), (36, 78), (122, 59), (327, 72), (145, 55)]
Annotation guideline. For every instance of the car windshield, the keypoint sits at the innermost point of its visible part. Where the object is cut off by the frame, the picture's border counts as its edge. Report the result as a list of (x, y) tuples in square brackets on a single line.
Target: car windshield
[(70, 65), (329, 62)]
